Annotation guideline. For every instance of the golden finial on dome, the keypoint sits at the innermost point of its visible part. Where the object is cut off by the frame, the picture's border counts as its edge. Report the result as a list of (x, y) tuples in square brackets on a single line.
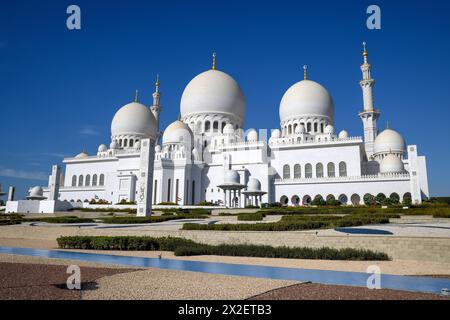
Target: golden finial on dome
[(365, 53), (305, 72), (136, 96), (214, 61), (157, 82)]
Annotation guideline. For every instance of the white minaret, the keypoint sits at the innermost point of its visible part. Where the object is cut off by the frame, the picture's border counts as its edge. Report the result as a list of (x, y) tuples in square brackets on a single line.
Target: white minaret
[(156, 106), (369, 115)]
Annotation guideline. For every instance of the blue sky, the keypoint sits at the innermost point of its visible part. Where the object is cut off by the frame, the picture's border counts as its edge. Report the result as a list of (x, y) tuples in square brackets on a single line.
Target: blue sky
[(59, 89)]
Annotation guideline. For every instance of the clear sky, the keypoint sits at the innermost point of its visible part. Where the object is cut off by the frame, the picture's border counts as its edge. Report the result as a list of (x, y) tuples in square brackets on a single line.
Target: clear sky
[(59, 89)]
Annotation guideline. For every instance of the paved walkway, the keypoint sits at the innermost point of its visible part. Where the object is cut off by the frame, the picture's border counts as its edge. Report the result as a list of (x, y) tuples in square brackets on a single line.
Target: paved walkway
[(405, 227)]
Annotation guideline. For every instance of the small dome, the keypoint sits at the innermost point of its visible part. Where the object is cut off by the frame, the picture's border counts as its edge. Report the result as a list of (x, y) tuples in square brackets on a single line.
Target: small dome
[(210, 92), (239, 132), (253, 185), (252, 135), (157, 148), (306, 99), (102, 148), (276, 134), (329, 129), (228, 129), (113, 145), (391, 164), (389, 141), (232, 177), (176, 133), (134, 119), (343, 134), (36, 193), (81, 155)]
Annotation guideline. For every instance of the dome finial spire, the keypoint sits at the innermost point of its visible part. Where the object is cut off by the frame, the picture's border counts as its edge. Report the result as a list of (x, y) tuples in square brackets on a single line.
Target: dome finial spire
[(388, 126), (214, 61), (365, 53), (157, 83), (305, 72), (136, 96)]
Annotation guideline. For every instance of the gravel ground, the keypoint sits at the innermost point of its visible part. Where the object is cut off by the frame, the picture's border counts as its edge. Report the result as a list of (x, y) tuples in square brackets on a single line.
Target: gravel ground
[(38, 278), (151, 284), (20, 281), (48, 282), (313, 291), (11, 258)]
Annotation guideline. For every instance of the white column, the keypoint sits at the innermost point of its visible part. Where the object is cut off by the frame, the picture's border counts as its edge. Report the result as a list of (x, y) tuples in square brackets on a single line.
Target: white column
[(145, 185), (11, 192), (54, 183), (240, 199)]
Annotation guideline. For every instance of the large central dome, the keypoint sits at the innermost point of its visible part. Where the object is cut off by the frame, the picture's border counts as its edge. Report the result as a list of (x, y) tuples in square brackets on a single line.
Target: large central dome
[(210, 92), (306, 99)]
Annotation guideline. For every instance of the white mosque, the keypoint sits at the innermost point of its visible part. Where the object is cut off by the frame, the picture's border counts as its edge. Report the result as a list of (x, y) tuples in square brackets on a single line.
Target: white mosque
[(206, 156)]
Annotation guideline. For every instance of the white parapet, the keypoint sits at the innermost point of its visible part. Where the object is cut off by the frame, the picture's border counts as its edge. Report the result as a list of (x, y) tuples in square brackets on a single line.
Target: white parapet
[(37, 206)]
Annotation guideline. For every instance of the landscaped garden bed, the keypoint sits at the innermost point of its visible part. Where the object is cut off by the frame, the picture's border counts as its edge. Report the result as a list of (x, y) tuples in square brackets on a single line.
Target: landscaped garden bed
[(298, 222), (184, 247)]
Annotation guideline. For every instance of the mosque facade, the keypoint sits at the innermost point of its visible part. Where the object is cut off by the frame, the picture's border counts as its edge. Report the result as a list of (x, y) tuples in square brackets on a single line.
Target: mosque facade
[(206, 156)]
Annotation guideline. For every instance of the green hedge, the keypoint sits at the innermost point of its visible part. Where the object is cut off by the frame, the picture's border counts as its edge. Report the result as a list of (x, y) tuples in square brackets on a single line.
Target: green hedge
[(295, 223), (441, 213), (110, 209), (122, 243), (256, 216), (199, 211), (184, 247), (425, 209), (281, 252), (277, 226), (67, 219), (7, 222), (152, 219)]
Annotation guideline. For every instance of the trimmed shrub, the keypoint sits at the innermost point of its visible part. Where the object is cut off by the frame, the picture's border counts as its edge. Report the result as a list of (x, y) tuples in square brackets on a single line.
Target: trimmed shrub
[(318, 201), (110, 209), (152, 219), (166, 214), (369, 200), (122, 243), (440, 212), (206, 204), (125, 202), (184, 247), (99, 201), (7, 222), (67, 219), (256, 216), (281, 252), (298, 222)]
